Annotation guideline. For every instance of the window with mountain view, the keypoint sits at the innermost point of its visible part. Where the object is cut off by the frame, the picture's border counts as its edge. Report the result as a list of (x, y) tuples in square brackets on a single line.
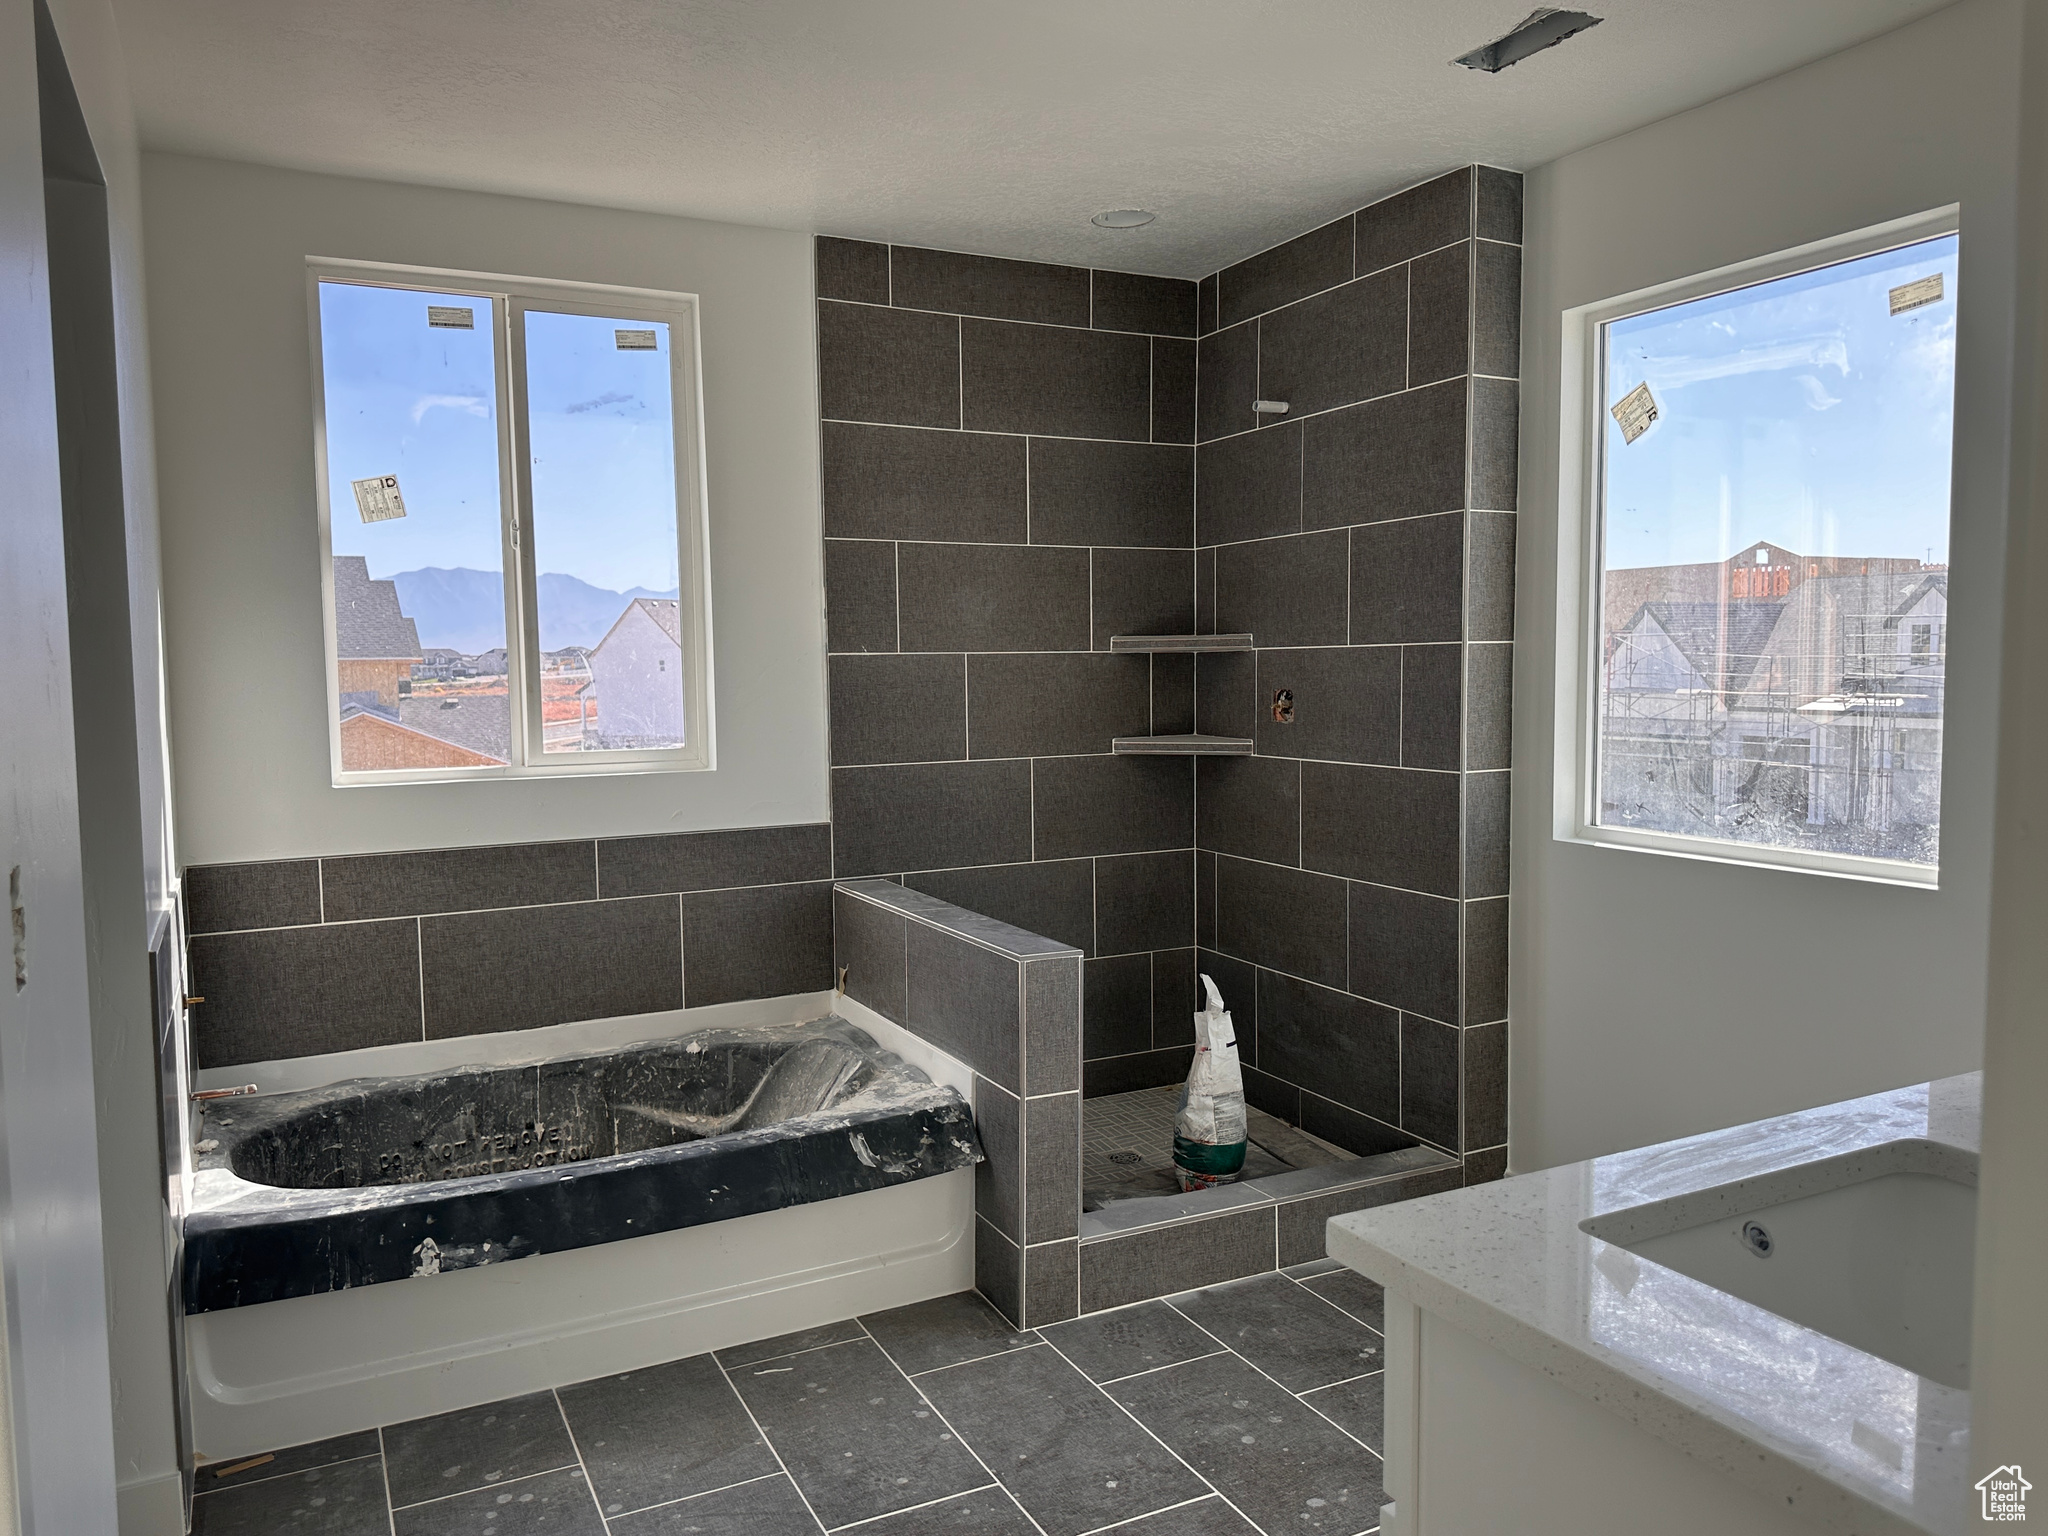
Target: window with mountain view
[(475, 434), (1773, 505)]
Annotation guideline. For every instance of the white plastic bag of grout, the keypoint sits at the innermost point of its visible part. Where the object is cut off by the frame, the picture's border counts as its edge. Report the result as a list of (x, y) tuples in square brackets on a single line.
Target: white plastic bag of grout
[(1209, 1126)]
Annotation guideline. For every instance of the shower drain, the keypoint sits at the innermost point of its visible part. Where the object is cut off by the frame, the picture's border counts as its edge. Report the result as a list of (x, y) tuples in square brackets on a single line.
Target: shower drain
[(1126, 1158)]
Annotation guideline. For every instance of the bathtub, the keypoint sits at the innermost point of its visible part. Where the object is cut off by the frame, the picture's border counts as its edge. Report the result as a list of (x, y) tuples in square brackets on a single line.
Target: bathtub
[(554, 1219)]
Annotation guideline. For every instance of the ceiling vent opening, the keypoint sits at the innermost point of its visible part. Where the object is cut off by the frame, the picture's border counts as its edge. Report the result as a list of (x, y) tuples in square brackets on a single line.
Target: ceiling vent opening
[(1542, 28)]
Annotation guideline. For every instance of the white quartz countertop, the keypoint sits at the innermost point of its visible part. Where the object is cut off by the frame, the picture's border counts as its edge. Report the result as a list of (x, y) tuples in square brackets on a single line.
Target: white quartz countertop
[(1852, 1442)]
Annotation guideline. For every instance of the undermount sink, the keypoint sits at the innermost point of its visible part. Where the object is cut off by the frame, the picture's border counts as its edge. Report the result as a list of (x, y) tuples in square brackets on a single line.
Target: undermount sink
[(1873, 1248)]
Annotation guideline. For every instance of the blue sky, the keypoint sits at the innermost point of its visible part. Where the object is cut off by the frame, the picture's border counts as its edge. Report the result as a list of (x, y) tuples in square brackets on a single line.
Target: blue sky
[(1800, 411), (419, 402)]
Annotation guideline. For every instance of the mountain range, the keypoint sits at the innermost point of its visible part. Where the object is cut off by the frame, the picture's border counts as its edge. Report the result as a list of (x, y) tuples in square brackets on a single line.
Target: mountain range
[(458, 609)]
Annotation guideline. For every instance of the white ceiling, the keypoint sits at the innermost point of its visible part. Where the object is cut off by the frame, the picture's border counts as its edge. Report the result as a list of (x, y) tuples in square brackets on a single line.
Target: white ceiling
[(965, 124)]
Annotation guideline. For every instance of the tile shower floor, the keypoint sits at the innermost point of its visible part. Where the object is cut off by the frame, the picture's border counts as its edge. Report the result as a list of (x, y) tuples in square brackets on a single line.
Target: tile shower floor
[(1244, 1408), (1127, 1146)]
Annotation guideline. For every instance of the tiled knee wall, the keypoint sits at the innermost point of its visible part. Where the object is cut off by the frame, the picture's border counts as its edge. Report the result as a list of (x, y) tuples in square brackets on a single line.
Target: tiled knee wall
[(1008, 482), (1008, 1004), (1352, 875), (300, 957)]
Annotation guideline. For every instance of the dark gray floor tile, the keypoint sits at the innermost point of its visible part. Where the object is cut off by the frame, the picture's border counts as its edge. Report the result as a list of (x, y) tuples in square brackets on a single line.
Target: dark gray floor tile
[(557, 1504), (1055, 382), (1342, 1286), (933, 816), (852, 269), (1440, 315), (1286, 1467), (339, 1500), (1131, 301), (1404, 950), (1288, 591), (1146, 1263), (765, 941), (476, 1447), (1145, 901), (1286, 919), (1141, 592), (1403, 456), (860, 596), (1417, 220), (457, 880), (1298, 1339), (987, 1512), (1111, 1345), (1347, 703), (663, 1433), (1116, 1014), (279, 894), (1432, 707), (992, 597), (1408, 581), (1500, 204), (1358, 1408), (1204, 1517), (911, 483), (1174, 390), (1392, 826), (286, 992), (1123, 1074), (1496, 409), (1339, 347), (1138, 494), (773, 1349), (1054, 898), (768, 1506), (1249, 807), (1249, 486), (1429, 1080), (710, 861), (1097, 805), (297, 1458), (868, 948), (529, 966), (965, 1000), (1050, 703), (1069, 1455), (1497, 311), (1304, 265), (1228, 361), (855, 1435), (1343, 1047), (947, 1330), (888, 365), (898, 709), (963, 284)]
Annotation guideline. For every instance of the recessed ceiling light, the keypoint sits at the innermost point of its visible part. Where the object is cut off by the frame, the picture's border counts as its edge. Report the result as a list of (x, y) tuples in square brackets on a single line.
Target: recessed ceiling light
[(1123, 218), (1542, 28)]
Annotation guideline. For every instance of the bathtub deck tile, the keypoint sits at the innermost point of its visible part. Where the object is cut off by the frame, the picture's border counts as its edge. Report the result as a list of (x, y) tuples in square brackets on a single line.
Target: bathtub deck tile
[(944, 1331), (665, 1433), (552, 1504), (476, 1447), (768, 1506), (855, 1434), (343, 1500)]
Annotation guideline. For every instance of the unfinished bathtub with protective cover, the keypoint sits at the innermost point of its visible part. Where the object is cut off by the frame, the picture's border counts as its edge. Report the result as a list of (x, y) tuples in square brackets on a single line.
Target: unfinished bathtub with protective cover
[(381, 1179)]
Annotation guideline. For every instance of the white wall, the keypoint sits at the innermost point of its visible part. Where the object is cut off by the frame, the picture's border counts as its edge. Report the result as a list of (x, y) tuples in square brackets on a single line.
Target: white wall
[(227, 250), (1654, 997)]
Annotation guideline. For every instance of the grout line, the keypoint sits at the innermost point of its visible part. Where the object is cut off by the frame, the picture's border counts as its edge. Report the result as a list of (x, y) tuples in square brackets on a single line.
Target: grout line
[(686, 1498), (812, 1349), (250, 1482), (682, 952), (854, 1525), (419, 955), (958, 1438), (747, 1408), (384, 1466), (589, 1485), (1208, 546), (1000, 1354), (1153, 1370), (524, 1477), (1123, 1525), (320, 884), (960, 371)]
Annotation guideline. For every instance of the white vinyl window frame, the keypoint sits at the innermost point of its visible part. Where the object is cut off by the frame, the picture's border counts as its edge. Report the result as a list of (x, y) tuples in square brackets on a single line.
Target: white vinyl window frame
[(509, 298), (1581, 563)]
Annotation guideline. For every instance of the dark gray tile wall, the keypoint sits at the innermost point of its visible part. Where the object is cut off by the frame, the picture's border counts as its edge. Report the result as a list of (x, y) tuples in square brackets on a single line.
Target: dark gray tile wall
[(997, 507), (1352, 875), (303, 957)]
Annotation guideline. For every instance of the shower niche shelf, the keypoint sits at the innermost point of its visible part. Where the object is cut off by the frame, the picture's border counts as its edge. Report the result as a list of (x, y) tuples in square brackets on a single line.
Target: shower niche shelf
[(1182, 746), (1157, 643)]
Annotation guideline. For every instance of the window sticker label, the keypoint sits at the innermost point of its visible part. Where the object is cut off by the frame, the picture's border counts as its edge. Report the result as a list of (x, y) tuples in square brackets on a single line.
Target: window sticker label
[(636, 341), (450, 317), (377, 498), (1634, 412), (1917, 294)]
